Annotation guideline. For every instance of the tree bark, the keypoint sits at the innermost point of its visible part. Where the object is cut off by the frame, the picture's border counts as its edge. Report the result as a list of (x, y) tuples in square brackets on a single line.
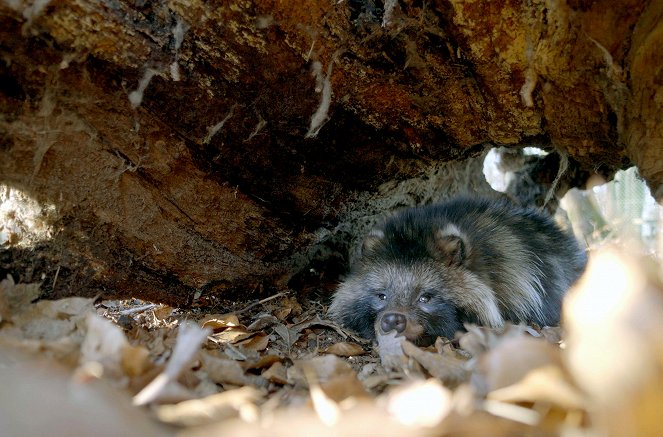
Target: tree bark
[(193, 149)]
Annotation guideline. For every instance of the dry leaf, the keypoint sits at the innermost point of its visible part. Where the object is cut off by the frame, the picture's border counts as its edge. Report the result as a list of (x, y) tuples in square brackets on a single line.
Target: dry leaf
[(135, 360), (232, 335), (282, 313), (614, 345), (276, 373), (189, 339), (224, 371), (422, 403), (261, 362), (345, 349), (262, 322), (39, 398), (289, 335), (323, 367), (513, 358), (258, 342), (452, 371), (326, 409), (391, 352), (544, 384), (14, 298), (344, 386), (292, 305), (212, 408), (53, 320), (104, 344), (218, 322), (163, 312), (479, 339)]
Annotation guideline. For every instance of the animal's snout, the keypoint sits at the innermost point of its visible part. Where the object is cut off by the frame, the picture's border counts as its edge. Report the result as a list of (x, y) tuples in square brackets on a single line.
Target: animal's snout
[(393, 322)]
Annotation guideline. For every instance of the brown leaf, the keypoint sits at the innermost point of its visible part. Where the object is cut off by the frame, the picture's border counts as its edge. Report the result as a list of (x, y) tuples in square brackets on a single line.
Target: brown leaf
[(262, 322), (421, 403), (224, 371), (135, 360), (391, 353), (450, 370), (262, 362), (545, 384), (323, 368), (232, 335), (212, 408), (258, 342), (276, 373), (282, 313), (345, 349), (290, 335), (344, 386), (15, 298), (614, 343), (163, 312), (218, 322), (514, 358), (104, 343)]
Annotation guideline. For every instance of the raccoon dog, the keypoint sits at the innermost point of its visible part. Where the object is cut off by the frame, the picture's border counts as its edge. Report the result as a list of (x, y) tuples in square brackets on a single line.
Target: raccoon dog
[(425, 271)]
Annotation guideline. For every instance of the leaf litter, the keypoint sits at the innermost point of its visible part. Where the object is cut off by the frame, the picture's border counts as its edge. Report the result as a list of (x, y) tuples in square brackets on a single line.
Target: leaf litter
[(279, 367)]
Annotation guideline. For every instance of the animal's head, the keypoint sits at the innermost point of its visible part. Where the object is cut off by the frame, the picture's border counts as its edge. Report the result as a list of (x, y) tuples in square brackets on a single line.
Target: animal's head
[(410, 281)]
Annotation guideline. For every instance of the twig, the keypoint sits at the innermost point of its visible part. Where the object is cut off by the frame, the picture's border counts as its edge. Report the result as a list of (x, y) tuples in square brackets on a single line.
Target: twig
[(55, 279), (260, 302), (137, 309)]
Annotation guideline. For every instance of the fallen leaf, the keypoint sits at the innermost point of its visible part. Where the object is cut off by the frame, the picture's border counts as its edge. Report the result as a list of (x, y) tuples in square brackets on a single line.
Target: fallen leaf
[(163, 312), (135, 360), (232, 335), (450, 370), (224, 371), (218, 322), (258, 342), (262, 362), (282, 313), (513, 358), (262, 322), (289, 335), (422, 403), (391, 352), (14, 298), (614, 344), (544, 384), (189, 339), (66, 406), (323, 367), (104, 344), (209, 409), (344, 386), (345, 349), (276, 373)]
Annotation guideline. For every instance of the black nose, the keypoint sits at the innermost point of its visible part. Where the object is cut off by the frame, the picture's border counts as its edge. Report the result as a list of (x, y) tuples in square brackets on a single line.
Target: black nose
[(393, 321)]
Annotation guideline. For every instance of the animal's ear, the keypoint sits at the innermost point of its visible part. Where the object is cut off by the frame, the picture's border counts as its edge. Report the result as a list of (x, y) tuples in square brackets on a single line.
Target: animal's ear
[(451, 245), (372, 241)]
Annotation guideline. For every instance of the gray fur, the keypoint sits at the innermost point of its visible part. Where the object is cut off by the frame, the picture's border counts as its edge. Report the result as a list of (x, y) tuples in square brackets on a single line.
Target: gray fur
[(464, 260)]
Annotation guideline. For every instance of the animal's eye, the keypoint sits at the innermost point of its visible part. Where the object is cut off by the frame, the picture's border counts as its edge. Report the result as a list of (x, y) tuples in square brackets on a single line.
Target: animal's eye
[(381, 296), (424, 298)]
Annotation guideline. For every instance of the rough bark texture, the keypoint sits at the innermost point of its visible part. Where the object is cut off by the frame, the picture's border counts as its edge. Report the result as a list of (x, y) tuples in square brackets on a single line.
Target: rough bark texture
[(214, 146)]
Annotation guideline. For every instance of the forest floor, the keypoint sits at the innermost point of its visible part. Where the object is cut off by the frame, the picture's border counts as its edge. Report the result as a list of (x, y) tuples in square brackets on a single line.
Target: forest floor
[(277, 366)]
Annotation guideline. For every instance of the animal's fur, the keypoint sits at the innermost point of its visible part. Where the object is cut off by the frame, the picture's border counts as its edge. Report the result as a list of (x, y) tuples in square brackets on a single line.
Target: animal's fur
[(464, 260)]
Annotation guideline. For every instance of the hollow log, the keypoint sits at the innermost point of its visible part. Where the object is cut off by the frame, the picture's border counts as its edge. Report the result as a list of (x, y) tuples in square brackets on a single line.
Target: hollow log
[(190, 150)]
